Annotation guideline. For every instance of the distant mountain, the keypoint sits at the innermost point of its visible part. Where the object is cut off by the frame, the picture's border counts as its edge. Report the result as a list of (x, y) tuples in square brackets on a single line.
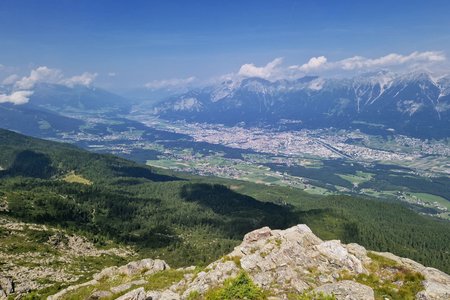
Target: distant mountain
[(35, 121), (46, 112), (77, 98), (415, 104)]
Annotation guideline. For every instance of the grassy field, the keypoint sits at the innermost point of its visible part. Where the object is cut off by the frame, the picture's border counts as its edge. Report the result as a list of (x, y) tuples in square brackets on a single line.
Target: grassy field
[(74, 178), (229, 169), (167, 164), (357, 179), (433, 198)]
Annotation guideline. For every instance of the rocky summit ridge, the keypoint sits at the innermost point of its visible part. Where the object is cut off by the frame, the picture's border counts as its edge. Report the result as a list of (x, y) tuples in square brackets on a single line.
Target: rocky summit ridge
[(273, 264)]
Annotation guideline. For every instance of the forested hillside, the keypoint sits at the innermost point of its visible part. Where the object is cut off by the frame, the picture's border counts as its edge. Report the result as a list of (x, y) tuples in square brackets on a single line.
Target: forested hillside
[(191, 220)]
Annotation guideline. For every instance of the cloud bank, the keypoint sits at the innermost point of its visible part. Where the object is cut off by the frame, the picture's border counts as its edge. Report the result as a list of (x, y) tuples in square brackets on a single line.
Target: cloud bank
[(418, 59), (321, 65)]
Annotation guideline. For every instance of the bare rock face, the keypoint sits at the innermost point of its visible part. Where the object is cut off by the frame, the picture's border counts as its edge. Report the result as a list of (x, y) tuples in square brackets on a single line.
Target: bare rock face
[(6, 287), (137, 294), (293, 258), (126, 286), (98, 295), (215, 274), (437, 285), (146, 266), (347, 290), (164, 295)]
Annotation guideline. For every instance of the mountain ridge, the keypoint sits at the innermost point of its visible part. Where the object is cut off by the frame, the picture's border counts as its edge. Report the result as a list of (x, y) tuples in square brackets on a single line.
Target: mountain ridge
[(54, 109), (415, 104)]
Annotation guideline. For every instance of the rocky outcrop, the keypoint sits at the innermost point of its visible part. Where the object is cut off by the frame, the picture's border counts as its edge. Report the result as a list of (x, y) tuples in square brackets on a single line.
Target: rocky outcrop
[(282, 261), (6, 286), (347, 290), (142, 267), (145, 266), (137, 294), (291, 261), (436, 283)]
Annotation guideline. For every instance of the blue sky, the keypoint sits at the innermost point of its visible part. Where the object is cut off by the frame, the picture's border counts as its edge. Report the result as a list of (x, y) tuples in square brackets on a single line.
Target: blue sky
[(131, 43)]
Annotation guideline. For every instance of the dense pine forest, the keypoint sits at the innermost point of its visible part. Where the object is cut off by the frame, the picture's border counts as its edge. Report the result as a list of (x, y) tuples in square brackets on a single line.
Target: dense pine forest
[(188, 219)]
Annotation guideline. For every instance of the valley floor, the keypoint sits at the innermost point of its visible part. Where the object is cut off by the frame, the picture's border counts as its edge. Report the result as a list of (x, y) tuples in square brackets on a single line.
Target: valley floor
[(323, 162)]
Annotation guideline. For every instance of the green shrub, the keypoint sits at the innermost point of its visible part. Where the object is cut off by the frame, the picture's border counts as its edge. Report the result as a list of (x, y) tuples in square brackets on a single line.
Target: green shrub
[(388, 279), (194, 295), (163, 279), (311, 296), (241, 287)]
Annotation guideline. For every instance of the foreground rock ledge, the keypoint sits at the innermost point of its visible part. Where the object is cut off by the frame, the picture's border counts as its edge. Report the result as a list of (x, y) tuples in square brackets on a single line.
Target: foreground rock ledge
[(281, 261)]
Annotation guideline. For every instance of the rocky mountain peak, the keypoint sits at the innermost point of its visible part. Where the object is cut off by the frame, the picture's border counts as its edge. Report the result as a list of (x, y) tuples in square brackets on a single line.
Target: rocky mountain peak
[(282, 264)]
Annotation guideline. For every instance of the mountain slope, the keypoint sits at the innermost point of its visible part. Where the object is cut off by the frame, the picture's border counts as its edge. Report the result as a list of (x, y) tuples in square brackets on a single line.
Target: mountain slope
[(181, 219), (31, 120), (413, 104), (32, 256), (43, 182)]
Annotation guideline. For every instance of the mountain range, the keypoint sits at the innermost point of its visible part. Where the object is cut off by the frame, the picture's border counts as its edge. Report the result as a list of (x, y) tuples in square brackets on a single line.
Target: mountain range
[(415, 104)]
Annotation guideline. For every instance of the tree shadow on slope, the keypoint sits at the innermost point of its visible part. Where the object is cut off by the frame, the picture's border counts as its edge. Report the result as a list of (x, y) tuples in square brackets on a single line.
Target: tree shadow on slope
[(30, 164), (142, 172), (238, 214)]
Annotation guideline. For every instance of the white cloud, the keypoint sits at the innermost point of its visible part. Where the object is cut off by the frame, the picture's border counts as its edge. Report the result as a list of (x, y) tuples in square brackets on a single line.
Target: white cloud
[(313, 64), (268, 71), (22, 86), (321, 65), (416, 59), (41, 74), (84, 79), (112, 74), (169, 83), (48, 75), (11, 79), (358, 62), (16, 98)]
